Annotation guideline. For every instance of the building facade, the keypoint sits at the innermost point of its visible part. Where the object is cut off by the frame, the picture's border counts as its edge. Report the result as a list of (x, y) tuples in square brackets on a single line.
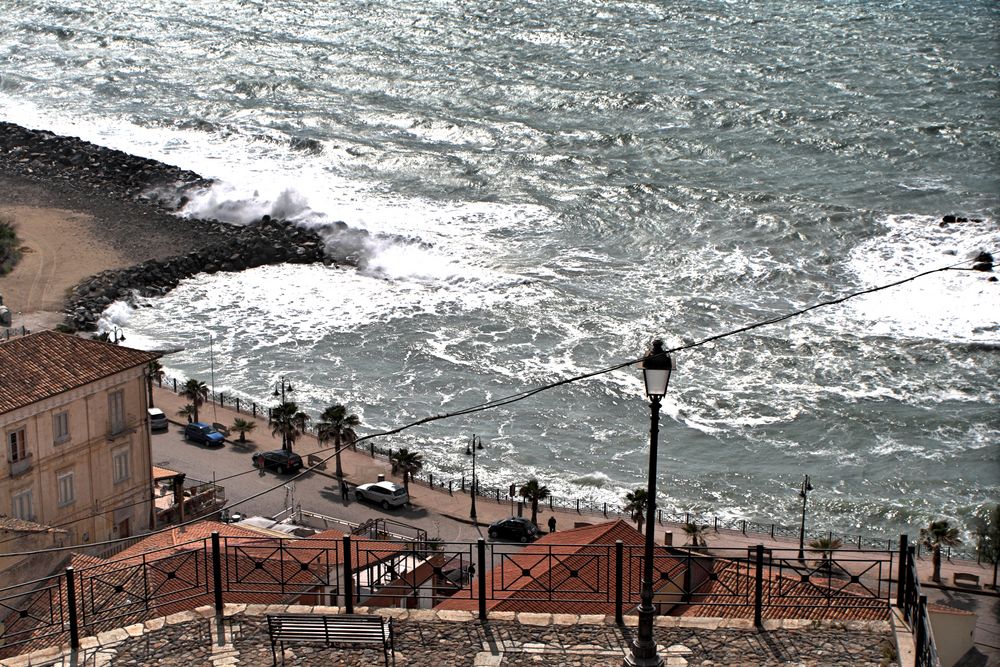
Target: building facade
[(76, 441)]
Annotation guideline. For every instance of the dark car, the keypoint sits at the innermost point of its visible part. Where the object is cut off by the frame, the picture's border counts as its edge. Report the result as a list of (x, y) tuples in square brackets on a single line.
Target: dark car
[(203, 433), (514, 528), (281, 460)]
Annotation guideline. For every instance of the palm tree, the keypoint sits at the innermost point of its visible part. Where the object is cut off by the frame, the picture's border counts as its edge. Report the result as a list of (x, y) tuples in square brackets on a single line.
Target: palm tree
[(337, 425), (289, 421), (409, 462), (196, 392), (635, 505), (533, 492), (934, 536), (244, 426), (187, 411), (695, 534), (154, 371), (825, 546)]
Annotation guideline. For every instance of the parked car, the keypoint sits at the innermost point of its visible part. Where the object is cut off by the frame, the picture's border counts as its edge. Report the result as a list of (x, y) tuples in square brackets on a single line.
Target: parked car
[(157, 420), (386, 494), (514, 528), (203, 433), (281, 460)]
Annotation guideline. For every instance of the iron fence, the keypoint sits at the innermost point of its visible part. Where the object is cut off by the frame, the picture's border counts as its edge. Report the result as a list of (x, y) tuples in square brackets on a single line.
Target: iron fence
[(477, 576), (581, 506), (913, 604)]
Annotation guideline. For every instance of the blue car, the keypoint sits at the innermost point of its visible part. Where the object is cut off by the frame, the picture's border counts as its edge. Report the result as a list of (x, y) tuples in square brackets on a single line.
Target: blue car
[(204, 434)]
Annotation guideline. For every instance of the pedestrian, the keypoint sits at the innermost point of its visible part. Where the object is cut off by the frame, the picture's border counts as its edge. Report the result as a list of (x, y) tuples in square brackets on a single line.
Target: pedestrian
[(343, 489), (552, 524)]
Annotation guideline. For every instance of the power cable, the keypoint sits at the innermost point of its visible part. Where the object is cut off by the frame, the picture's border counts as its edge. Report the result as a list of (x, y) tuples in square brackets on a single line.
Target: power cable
[(520, 396)]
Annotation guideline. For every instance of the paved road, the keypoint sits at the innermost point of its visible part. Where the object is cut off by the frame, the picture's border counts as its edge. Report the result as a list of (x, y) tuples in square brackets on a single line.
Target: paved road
[(230, 467)]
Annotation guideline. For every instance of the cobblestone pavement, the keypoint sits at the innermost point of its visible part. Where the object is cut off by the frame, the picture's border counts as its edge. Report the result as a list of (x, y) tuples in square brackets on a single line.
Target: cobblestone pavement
[(427, 639)]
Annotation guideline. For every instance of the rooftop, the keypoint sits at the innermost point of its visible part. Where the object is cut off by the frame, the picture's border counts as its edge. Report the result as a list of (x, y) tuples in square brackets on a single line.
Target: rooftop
[(47, 363)]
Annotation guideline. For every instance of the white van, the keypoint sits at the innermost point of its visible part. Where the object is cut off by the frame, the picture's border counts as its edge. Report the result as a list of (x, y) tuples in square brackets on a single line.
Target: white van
[(157, 420)]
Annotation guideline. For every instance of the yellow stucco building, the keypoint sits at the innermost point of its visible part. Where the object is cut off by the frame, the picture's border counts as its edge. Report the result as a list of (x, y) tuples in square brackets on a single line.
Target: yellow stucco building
[(76, 442)]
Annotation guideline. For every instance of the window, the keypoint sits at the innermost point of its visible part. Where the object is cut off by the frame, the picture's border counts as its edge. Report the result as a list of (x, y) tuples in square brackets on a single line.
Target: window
[(21, 505), (121, 465), (17, 450), (64, 481), (60, 427), (116, 411)]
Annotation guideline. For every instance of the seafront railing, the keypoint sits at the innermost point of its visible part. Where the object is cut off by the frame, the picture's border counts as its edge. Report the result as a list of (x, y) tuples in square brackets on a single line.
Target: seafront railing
[(748, 527), (355, 571)]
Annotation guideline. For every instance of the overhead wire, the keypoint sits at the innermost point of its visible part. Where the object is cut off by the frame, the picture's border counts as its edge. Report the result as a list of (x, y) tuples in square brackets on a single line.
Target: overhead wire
[(522, 395)]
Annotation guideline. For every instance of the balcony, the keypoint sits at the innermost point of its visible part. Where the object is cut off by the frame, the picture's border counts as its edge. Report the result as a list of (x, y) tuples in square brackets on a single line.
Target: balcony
[(21, 466)]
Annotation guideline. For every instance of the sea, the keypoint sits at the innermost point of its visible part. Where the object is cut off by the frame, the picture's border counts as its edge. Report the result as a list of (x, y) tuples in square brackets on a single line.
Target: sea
[(548, 186)]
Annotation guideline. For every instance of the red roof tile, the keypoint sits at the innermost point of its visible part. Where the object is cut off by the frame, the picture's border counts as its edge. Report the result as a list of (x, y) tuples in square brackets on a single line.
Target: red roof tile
[(47, 363)]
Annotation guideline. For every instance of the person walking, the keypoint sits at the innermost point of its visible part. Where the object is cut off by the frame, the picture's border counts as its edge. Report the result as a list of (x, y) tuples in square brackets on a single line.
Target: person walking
[(552, 524)]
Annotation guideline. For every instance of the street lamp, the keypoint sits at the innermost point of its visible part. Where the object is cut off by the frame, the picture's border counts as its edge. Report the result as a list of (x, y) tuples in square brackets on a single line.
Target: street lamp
[(470, 450), (284, 386), (803, 492), (118, 338), (656, 369)]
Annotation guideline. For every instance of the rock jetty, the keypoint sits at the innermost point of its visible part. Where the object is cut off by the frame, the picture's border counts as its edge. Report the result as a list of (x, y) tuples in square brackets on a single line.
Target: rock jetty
[(134, 201)]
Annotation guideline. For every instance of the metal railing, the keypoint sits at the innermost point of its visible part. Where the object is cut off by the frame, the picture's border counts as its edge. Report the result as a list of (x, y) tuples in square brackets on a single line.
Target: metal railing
[(913, 604), (607, 510), (354, 570)]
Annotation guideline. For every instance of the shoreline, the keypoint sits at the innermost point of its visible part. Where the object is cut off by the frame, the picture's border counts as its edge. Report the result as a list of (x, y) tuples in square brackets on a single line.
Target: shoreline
[(99, 225)]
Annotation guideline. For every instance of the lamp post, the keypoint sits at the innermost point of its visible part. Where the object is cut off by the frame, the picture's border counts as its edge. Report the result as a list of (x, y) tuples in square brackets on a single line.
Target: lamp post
[(470, 450), (656, 369), (118, 338), (803, 493), (284, 386)]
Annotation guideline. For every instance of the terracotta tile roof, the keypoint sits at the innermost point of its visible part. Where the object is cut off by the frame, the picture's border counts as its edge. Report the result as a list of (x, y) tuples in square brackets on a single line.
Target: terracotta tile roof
[(47, 363), (567, 572), (22, 526), (730, 593)]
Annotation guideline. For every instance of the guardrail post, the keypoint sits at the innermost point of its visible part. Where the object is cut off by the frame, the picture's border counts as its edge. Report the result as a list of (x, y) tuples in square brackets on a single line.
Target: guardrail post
[(901, 572), (687, 517), (348, 576), (772, 531), (859, 543), (605, 510), (74, 623), (577, 505), (920, 620), (744, 528), (450, 481), (619, 549), (481, 553), (758, 602), (716, 523), (175, 385), (237, 404), (253, 407), (217, 571), (371, 447)]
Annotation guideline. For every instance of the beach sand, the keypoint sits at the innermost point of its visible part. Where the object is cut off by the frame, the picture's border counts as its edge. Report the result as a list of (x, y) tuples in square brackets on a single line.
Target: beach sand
[(60, 250), (69, 235)]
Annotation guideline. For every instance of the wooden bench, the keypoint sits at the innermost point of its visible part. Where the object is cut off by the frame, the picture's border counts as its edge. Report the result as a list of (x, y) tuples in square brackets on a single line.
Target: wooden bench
[(330, 629), (966, 579)]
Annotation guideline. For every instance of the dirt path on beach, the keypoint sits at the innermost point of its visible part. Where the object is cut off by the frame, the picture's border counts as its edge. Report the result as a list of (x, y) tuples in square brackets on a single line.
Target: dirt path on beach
[(60, 251)]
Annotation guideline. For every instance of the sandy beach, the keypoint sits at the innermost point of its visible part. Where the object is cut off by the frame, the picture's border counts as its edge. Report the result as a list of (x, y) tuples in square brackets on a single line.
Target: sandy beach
[(70, 233)]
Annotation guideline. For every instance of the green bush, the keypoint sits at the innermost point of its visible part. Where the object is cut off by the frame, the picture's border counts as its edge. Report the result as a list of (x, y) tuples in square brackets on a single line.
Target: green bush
[(10, 246)]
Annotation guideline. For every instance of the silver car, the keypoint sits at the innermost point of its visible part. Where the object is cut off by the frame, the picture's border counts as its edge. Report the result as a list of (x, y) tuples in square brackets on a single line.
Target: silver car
[(386, 494)]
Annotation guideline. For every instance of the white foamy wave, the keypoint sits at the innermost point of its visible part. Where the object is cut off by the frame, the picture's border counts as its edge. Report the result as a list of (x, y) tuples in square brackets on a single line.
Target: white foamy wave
[(594, 479), (950, 305)]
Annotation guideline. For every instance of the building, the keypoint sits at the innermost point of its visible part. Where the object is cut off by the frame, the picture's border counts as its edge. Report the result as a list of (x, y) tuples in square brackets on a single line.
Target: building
[(76, 442)]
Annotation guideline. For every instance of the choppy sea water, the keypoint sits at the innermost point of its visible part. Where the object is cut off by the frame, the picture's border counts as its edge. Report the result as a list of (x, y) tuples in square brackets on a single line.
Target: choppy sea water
[(573, 179)]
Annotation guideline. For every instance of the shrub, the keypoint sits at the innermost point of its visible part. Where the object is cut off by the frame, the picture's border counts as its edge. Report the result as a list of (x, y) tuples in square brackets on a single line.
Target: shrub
[(10, 246)]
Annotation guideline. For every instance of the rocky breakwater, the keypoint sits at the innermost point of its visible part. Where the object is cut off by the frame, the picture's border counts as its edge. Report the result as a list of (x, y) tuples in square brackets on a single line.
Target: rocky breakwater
[(79, 163), (264, 242)]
